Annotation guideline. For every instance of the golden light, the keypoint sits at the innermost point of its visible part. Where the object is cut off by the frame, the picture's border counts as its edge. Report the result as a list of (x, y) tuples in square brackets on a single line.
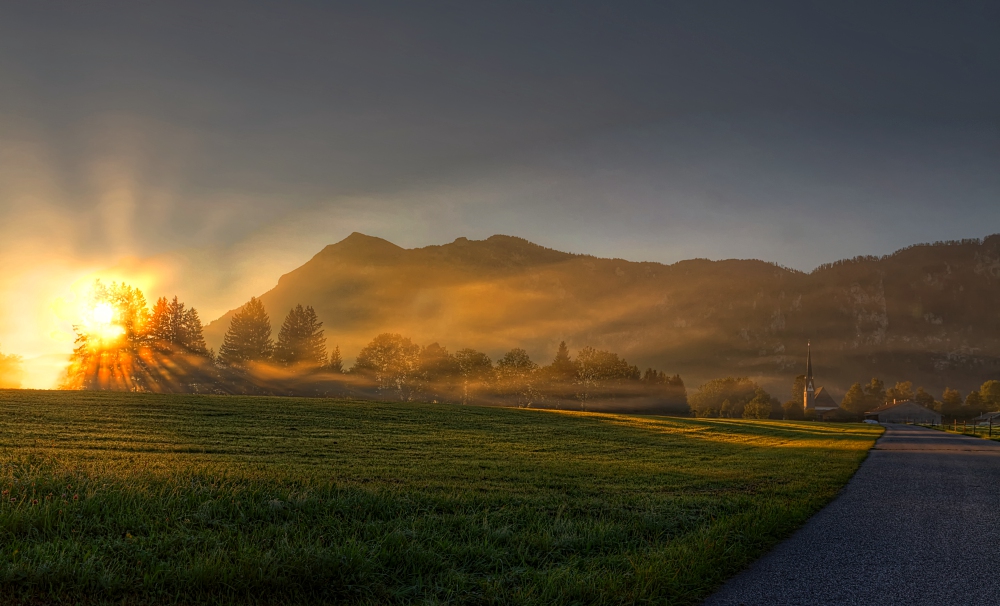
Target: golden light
[(97, 321), (103, 313)]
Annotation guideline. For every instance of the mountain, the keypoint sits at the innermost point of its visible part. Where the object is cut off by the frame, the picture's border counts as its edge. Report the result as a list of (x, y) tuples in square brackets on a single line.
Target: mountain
[(929, 313)]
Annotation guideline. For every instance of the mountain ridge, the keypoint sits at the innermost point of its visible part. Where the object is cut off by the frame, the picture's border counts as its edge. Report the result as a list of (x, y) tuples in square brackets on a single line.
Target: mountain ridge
[(927, 312)]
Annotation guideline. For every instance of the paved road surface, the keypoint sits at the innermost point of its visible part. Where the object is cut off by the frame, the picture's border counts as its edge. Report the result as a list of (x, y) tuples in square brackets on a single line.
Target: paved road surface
[(918, 524)]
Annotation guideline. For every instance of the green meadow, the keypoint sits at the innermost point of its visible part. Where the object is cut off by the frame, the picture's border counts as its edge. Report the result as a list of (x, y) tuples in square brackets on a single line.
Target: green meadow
[(137, 499)]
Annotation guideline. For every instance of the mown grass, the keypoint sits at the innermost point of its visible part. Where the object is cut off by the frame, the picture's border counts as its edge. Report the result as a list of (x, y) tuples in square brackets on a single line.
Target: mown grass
[(131, 498)]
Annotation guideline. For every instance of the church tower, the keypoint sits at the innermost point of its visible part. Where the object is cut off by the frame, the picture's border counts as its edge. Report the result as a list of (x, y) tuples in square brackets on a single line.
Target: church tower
[(809, 395)]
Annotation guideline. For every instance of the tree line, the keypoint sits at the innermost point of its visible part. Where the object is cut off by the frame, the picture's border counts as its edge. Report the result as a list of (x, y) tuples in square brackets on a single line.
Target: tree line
[(11, 371), (864, 398), (164, 349), (734, 397), (398, 368)]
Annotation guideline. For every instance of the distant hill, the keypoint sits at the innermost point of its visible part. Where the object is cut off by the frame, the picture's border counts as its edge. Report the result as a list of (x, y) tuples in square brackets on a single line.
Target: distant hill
[(928, 313)]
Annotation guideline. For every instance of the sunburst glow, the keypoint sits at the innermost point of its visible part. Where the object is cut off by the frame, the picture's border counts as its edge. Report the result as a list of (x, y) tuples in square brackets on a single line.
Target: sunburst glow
[(99, 321)]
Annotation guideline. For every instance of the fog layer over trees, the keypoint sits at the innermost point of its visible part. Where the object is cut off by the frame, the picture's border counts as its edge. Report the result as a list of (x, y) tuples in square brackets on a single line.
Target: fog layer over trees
[(164, 350)]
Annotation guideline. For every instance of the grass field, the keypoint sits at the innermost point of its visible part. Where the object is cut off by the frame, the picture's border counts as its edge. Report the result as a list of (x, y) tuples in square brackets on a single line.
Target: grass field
[(194, 499)]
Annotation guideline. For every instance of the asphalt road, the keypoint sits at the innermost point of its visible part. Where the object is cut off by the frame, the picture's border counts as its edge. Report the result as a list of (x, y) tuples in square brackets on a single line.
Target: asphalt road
[(919, 523)]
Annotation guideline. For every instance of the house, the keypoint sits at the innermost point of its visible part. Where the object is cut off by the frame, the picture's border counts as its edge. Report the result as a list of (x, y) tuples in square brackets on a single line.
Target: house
[(986, 417), (905, 412), (823, 402)]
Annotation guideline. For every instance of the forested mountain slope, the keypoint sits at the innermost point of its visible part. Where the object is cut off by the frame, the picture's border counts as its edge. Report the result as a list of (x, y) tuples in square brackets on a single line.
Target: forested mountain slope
[(928, 313)]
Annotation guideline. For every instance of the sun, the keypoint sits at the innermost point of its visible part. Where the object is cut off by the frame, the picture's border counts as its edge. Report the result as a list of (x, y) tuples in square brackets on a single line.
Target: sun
[(98, 322), (103, 313)]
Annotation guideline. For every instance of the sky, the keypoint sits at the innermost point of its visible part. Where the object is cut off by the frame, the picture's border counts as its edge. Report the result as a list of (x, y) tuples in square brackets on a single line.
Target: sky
[(204, 149)]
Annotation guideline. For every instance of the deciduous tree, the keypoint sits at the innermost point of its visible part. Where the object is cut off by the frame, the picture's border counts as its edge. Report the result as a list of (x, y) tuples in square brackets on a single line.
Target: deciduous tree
[(391, 360), (759, 407), (476, 370), (515, 374), (11, 371), (856, 401)]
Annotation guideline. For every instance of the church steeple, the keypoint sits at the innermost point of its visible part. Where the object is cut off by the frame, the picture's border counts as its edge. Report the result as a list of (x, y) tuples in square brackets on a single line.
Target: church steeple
[(809, 394)]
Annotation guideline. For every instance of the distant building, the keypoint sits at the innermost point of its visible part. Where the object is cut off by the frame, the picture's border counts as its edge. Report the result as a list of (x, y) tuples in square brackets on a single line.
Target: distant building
[(809, 395), (904, 412), (819, 401), (986, 417)]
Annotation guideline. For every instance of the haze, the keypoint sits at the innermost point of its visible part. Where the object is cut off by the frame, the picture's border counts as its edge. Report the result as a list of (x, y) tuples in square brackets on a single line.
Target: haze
[(204, 151)]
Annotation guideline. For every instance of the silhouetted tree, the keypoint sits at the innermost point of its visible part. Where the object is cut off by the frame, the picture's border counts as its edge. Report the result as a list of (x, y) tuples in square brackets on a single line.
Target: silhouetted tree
[(391, 360), (300, 339), (670, 388), (989, 393), (856, 401), (875, 394), (708, 400), (759, 407), (192, 335), (902, 391), (159, 322), (923, 398), (951, 402), (11, 371), (562, 369), (792, 410), (249, 336), (475, 368), (110, 359), (515, 373), (599, 370), (436, 364), (172, 324), (974, 405), (336, 363), (799, 388)]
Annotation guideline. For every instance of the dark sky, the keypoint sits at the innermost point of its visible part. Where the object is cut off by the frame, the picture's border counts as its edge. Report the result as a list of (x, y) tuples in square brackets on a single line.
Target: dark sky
[(798, 132)]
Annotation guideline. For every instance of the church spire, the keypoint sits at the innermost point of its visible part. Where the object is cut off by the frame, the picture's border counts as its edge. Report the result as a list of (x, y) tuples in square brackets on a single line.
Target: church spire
[(809, 394), (809, 361)]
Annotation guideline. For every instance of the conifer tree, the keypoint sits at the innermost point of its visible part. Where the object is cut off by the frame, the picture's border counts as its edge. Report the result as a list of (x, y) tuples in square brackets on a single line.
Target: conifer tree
[(172, 324), (249, 336), (159, 322), (194, 338), (562, 367), (336, 363), (300, 340)]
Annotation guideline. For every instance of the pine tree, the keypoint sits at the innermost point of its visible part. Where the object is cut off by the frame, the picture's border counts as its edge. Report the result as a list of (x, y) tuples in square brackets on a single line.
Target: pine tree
[(159, 323), (249, 336), (300, 340), (172, 324), (194, 338), (336, 363), (562, 367)]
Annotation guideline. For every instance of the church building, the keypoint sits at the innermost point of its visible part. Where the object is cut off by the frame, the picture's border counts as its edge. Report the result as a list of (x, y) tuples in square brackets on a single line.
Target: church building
[(819, 401)]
